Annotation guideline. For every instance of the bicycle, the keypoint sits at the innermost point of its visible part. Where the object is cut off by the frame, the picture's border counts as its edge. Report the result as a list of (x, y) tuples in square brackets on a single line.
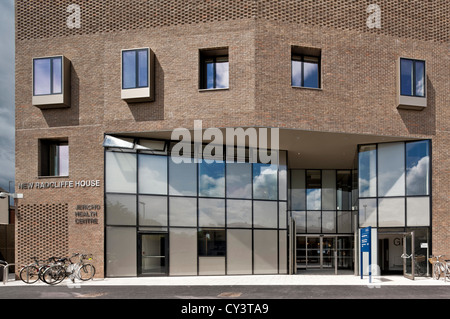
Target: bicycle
[(33, 272), (55, 273), (418, 262), (440, 267), (85, 271), (66, 268)]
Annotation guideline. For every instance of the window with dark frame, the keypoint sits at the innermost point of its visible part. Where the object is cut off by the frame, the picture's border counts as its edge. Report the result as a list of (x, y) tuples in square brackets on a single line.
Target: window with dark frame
[(54, 158), (412, 77), (214, 69), (211, 242), (47, 76), (135, 68), (305, 67)]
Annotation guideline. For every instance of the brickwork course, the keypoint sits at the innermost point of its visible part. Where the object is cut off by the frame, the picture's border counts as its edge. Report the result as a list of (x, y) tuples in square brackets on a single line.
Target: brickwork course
[(358, 92)]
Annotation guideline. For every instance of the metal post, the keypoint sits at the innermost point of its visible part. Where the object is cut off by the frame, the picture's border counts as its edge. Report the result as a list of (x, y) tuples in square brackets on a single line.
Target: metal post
[(6, 272), (335, 255), (335, 262), (355, 244)]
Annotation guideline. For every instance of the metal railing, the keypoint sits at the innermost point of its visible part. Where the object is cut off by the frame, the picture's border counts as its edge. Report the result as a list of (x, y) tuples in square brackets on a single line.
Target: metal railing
[(4, 266)]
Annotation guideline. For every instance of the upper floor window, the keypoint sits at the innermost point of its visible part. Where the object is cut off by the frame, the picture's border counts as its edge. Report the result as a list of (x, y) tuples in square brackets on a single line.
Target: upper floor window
[(138, 75), (135, 68), (54, 158), (214, 69), (51, 82), (305, 67), (47, 77), (412, 77)]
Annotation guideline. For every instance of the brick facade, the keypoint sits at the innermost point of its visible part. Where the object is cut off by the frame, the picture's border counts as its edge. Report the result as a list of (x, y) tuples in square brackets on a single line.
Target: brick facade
[(358, 92)]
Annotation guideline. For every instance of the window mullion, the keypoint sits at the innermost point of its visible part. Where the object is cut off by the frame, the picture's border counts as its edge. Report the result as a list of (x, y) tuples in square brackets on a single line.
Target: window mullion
[(214, 72), (51, 75), (414, 93), (302, 63), (137, 68)]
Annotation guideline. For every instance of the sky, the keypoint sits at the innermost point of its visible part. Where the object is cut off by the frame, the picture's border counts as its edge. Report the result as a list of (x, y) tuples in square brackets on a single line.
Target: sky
[(7, 100)]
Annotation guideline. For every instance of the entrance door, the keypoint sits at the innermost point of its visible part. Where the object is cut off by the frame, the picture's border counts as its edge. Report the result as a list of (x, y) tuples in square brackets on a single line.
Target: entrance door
[(152, 254), (328, 252), (316, 252), (313, 252), (408, 255), (324, 252)]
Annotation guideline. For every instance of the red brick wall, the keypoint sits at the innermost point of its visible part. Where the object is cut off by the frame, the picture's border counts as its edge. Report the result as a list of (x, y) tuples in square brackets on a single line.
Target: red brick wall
[(358, 92)]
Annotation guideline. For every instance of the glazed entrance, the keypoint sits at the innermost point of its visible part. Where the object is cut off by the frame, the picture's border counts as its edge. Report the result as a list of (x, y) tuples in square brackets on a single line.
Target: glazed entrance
[(324, 252)]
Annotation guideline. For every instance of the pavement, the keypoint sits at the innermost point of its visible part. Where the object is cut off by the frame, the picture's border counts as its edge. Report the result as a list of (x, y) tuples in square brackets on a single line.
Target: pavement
[(302, 279), (281, 293)]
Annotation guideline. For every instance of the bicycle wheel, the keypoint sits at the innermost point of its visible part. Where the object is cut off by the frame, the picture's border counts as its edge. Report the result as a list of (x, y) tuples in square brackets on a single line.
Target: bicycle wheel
[(54, 275), (437, 272), (29, 274), (42, 269), (419, 271), (86, 272)]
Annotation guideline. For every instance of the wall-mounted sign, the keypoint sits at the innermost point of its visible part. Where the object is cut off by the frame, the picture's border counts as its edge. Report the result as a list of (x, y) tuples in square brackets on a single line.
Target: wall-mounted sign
[(86, 214), (88, 183)]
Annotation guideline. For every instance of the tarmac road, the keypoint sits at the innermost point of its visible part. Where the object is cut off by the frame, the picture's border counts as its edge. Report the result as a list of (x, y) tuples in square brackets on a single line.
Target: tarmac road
[(258, 292), (252, 296)]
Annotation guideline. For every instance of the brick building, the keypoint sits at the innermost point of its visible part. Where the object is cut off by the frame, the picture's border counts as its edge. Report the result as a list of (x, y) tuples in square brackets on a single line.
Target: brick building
[(359, 94)]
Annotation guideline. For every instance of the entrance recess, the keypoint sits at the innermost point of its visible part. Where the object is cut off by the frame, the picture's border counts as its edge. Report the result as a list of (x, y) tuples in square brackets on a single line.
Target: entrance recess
[(152, 257), (397, 254), (324, 252)]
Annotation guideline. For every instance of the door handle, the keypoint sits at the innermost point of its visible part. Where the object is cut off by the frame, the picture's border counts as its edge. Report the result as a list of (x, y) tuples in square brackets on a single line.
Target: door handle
[(405, 256)]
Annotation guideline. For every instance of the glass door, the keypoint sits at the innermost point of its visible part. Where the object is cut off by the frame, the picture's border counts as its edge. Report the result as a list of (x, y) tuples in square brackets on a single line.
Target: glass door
[(408, 255), (324, 252), (314, 252), (152, 254), (301, 259), (328, 252), (344, 249)]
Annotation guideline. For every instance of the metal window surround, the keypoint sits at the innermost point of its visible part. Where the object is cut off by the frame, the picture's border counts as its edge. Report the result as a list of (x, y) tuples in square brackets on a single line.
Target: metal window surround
[(60, 100), (140, 94), (418, 103)]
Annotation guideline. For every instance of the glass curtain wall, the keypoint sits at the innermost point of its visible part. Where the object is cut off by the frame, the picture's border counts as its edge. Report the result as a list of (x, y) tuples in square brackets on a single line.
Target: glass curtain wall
[(394, 184), (394, 191), (321, 201), (222, 217)]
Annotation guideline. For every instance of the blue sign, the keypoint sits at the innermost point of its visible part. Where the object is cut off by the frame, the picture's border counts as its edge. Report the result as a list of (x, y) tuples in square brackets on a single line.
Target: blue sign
[(366, 236)]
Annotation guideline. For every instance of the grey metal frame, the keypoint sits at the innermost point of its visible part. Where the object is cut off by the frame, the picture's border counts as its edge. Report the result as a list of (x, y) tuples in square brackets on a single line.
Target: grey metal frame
[(290, 209), (139, 255), (136, 51), (407, 257)]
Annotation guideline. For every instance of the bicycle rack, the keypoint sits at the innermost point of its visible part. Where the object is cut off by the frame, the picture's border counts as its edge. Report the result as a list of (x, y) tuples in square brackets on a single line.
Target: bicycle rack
[(5, 271)]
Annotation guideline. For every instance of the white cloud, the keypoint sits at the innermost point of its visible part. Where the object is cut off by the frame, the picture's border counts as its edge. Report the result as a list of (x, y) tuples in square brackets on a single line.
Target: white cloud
[(210, 186), (417, 178)]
